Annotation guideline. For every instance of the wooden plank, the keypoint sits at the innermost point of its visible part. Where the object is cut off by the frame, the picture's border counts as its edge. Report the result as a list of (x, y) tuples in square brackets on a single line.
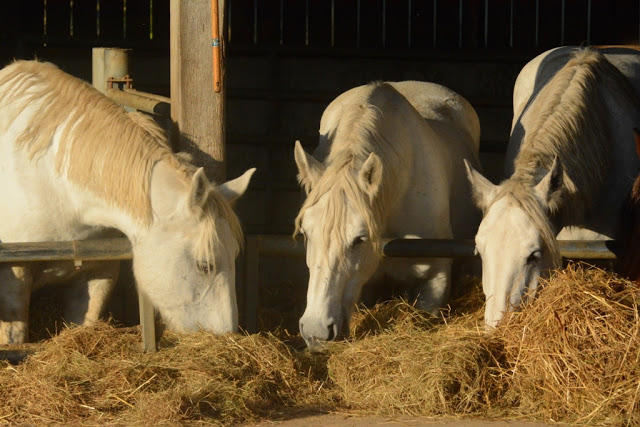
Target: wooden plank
[(198, 111)]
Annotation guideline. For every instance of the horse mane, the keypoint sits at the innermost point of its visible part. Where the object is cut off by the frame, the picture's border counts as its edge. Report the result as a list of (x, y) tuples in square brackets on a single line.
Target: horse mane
[(356, 136), (570, 126), (102, 148)]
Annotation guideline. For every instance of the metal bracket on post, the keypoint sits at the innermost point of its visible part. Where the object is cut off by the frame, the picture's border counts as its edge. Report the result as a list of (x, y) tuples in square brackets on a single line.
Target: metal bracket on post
[(126, 81)]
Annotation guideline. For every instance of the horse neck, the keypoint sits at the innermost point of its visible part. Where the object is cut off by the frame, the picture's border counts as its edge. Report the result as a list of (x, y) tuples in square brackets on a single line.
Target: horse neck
[(167, 189)]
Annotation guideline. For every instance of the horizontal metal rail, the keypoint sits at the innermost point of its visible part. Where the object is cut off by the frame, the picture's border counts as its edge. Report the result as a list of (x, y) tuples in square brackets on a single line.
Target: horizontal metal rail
[(259, 246), (143, 101), (284, 246), (76, 250), (281, 245)]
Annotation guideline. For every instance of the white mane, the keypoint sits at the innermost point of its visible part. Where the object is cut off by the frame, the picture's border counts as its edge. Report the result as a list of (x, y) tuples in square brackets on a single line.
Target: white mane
[(357, 135)]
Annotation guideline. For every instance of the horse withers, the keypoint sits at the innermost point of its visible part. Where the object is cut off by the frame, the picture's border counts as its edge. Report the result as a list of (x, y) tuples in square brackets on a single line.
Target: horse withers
[(388, 165), (73, 165), (570, 163)]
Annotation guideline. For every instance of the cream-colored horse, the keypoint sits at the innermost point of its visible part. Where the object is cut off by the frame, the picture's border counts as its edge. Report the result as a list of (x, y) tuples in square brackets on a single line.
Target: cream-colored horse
[(74, 165), (571, 163), (388, 165)]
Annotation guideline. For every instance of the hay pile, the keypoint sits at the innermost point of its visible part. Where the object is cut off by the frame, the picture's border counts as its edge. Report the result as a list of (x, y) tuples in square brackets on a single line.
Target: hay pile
[(572, 355), (98, 374)]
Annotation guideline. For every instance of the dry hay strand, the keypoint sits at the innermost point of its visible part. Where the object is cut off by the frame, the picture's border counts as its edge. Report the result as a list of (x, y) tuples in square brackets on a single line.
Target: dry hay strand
[(388, 316), (400, 314), (573, 352), (99, 374), (414, 366)]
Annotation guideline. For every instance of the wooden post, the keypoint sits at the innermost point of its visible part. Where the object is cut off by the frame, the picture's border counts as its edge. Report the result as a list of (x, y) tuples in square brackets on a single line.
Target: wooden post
[(196, 109)]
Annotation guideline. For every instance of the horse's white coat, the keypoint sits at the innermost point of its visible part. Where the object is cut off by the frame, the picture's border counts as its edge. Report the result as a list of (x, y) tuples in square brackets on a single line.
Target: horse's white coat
[(512, 245), (41, 203), (400, 146)]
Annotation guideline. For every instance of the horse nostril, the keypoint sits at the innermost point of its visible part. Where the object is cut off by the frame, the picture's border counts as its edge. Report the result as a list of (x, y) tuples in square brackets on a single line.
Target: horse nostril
[(332, 332)]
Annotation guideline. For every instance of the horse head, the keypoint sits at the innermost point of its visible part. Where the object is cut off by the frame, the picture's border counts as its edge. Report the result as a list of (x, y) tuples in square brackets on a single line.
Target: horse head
[(342, 247), (515, 238), (185, 260)]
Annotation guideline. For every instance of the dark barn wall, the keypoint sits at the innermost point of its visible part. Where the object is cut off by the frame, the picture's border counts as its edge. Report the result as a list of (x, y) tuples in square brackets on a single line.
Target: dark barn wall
[(287, 59)]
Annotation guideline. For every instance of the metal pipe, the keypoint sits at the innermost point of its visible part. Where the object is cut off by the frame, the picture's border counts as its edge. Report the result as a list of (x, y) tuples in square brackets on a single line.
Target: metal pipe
[(108, 63), (76, 250), (142, 101), (215, 47), (285, 246)]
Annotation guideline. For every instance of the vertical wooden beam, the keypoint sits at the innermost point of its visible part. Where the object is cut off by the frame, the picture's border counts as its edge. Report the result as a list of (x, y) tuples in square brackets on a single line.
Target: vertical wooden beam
[(196, 109)]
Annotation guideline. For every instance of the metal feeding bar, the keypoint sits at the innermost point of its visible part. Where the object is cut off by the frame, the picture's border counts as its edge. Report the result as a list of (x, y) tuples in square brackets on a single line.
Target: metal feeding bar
[(284, 246)]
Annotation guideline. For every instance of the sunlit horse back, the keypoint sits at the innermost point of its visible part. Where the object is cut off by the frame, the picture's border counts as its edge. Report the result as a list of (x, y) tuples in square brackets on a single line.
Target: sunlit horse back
[(570, 163), (388, 165), (73, 164)]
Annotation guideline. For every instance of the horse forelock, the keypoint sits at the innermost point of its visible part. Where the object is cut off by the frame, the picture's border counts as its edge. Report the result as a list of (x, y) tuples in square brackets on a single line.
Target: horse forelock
[(523, 196), (209, 239), (357, 135), (571, 126)]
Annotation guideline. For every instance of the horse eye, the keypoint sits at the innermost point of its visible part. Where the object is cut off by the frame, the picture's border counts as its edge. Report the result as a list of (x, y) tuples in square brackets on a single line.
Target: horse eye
[(534, 257), (358, 240), (205, 267)]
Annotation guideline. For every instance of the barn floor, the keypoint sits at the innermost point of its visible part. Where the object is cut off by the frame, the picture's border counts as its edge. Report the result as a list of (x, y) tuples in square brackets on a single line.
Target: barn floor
[(341, 420)]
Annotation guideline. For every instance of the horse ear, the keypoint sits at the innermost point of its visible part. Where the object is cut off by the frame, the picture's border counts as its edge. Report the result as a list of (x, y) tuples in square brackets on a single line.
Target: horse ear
[(636, 134), (199, 190), (549, 187), (309, 168), (482, 189), (370, 175), (232, 190)]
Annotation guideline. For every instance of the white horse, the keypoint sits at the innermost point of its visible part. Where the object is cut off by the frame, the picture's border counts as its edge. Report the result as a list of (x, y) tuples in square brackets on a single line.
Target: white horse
[(571, 163), (388, 165), (73, 165)]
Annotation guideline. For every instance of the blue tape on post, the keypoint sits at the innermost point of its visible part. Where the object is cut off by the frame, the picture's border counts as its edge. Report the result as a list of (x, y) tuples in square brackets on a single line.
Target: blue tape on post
[(215, 42)]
